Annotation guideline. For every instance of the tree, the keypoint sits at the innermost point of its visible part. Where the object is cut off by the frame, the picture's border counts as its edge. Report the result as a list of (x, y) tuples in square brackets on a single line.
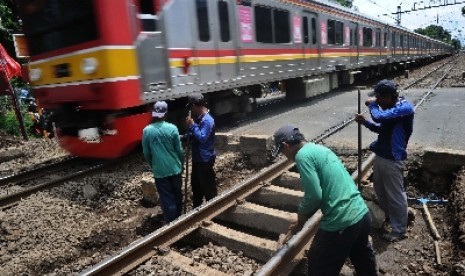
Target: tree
[(436, 32), (345, 3), (9, 24), (456, 43)]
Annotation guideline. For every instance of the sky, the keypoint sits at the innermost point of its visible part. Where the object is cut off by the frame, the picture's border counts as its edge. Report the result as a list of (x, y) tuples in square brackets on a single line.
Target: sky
[(449, 17)]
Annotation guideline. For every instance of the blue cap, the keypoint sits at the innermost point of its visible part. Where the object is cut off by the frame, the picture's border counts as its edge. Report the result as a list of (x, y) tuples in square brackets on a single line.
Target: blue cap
[(197, 99), (289, 134), (159, 109), (384, 88)]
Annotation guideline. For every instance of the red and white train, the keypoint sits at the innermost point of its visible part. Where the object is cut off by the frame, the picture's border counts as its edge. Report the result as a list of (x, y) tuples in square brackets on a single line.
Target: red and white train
[(100, 64)]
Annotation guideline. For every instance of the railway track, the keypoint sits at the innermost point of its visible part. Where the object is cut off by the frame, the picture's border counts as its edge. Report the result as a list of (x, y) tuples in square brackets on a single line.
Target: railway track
[(29, 182), (248, 218)]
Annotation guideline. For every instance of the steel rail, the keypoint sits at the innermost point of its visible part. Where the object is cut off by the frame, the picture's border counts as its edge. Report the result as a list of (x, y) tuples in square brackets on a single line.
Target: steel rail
[(33, 173), (12, 199), (141, 250)]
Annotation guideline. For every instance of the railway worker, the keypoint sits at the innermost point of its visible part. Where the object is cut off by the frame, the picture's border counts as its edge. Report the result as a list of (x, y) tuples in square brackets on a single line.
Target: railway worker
[(163, 151), (393, 121), (201, 128), (346, 223)]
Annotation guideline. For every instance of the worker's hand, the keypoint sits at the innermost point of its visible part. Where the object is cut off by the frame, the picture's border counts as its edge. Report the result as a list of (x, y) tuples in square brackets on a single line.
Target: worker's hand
[(369, 101), (189, 121), (359, 118)]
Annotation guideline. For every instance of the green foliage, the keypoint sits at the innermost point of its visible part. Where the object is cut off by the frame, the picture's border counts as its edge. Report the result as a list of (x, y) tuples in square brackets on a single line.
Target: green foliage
[(9, 24), (436, 32), (8, 120), (456, 43), (345, 3)]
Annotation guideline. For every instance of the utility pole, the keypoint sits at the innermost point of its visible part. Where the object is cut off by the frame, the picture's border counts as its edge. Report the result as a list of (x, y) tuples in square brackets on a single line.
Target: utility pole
[(399, 14)]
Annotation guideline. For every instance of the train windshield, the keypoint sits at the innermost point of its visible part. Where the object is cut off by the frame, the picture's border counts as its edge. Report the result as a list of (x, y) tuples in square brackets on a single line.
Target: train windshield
[(55, 24)]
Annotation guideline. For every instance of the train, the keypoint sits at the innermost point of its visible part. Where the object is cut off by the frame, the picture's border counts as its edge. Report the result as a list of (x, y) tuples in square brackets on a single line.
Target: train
[(99, 65)]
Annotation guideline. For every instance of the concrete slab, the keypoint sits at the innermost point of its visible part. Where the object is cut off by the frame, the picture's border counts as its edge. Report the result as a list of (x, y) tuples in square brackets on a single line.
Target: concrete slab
[(289, 180), (259, 217), (277, 197), (441, 161), (253, 247)]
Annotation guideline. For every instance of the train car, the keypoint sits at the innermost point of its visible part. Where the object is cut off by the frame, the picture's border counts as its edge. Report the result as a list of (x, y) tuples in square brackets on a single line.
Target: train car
[(100, 64)]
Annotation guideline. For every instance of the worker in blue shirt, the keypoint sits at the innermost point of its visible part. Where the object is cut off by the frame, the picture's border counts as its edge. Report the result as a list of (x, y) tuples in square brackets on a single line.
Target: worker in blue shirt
[(393, 121), (201, 128)]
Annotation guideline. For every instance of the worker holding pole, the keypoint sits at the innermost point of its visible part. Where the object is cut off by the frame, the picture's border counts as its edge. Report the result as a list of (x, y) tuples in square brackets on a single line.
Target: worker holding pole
[(392, 118), (201, 128)]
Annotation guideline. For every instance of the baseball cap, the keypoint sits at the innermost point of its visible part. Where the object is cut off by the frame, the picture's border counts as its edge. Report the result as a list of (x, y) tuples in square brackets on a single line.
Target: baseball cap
[(384, 88), (289, 134), (196, 99), (159, 109)]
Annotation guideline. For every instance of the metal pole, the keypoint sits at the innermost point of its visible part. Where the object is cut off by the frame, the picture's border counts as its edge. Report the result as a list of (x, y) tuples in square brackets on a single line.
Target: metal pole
[(359, 163), (186, 179)]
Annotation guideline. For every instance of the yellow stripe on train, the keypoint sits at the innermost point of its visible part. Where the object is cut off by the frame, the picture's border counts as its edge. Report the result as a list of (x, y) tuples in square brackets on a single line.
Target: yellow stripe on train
[(109, 62)]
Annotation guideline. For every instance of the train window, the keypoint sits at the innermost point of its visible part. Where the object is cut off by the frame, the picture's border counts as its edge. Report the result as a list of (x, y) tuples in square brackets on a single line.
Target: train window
[(335, 32), (223, 16), (202, 20), (146, 7), (281, 26), (272, 25), (378, 38), (52, 25), (385, 39), (314, 30), (401, 40), (367, 37), (305, 29), (353, 34), (263, 24)]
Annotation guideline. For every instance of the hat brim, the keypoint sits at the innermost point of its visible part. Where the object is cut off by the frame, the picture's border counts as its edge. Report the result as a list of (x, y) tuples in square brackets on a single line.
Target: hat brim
[(158, 115)]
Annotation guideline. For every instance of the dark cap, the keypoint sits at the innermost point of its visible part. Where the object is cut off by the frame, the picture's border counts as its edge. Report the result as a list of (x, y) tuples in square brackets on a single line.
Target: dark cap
[(196, 99), (384, 88), (288, 134), (159, 109)]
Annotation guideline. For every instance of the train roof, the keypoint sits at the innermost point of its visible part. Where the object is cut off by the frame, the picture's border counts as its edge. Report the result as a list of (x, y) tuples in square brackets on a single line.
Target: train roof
[(336, 5)]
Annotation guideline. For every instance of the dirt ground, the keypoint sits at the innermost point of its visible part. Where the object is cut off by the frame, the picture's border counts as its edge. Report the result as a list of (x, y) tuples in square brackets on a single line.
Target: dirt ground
[(416, 255)]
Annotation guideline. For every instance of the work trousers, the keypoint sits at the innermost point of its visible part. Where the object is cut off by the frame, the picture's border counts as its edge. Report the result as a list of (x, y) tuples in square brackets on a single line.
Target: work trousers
[(170, 193), (329, 250), (203, 182), (388, 182)]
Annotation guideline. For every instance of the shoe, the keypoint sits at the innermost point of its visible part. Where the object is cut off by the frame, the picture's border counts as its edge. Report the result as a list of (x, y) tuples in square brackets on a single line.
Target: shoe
[(394, 236)]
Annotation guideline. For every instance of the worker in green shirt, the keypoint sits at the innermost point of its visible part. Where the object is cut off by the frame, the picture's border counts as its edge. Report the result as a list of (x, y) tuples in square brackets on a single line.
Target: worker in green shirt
[(163, 151), (346, 223)]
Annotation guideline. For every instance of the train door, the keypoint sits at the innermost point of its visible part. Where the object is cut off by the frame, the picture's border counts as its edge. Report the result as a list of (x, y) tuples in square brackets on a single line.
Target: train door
[(224, 40), (354, 51), (214, 48), (311, 42)]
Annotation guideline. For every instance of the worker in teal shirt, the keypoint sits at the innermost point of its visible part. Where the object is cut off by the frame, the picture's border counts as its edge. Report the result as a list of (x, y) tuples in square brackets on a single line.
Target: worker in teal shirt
[(346, 223), (163, 151)]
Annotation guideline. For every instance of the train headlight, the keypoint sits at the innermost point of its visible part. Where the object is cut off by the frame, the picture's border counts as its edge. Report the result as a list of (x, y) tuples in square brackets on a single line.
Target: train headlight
[(35, 74), (89, 66)]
